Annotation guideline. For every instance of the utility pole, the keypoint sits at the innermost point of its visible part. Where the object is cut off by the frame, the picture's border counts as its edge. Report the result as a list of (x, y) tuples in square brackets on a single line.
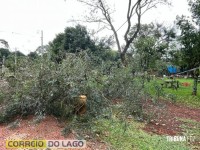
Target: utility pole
[(2, 67), (196, 74), (41, 49), (15, 56), (42, 38), (15, 60), (3, 62)]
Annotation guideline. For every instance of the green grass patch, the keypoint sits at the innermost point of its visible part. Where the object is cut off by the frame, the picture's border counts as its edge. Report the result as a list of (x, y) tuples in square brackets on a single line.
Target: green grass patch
[(182, 95), (191, 127), (126, 136), (191, 130)]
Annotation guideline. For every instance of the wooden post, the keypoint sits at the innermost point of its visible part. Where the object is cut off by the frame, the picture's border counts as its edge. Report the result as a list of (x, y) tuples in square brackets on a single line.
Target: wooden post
[(2, 67), (196, 74)]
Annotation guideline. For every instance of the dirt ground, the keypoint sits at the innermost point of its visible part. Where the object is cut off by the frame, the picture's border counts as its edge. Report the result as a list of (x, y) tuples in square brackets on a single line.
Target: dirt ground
[(48, 129), (167, 117), (164, 119), (169, 121)]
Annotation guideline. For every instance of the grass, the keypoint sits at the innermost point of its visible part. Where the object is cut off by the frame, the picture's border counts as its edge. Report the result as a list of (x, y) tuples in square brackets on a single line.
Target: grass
[(182, 95), (192, 129), (129, 136)]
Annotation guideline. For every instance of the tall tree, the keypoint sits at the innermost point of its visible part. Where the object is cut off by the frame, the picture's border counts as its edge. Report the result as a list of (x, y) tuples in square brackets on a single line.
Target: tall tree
[(195, 9), (32, 55), (134, 9), (189, 39), (152, 44), (190, 44), (56, 48), (74, 39), (77, 39), (4, 52)]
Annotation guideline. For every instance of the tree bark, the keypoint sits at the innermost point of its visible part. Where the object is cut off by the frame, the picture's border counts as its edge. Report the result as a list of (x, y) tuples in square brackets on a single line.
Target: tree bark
[(196, 74), (135, 8), (123, 59), (195, 86)]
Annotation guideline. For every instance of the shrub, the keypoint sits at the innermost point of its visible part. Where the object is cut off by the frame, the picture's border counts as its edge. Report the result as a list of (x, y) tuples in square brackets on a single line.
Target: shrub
[(45, 87)]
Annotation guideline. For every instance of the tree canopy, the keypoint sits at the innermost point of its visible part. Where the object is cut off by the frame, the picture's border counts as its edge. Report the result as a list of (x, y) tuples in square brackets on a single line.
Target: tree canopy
[(77, 39), (152, 44), (189, 38), (101, 12)]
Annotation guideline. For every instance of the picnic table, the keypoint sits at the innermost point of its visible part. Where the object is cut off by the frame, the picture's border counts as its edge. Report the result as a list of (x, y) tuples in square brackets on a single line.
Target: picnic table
[(171, 83)]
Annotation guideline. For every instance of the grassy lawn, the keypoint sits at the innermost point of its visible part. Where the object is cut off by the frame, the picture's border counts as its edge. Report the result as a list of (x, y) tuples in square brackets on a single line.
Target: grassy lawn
[(191, 127), (129, 135), (192, 130), (182, 95)]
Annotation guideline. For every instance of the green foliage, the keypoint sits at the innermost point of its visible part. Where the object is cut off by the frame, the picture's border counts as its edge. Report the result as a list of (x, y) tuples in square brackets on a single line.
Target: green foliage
[(152, 44), (77, 39), (56, 48), (123, 85), (195, 9), (32, 55), (189, 38), (11, 110), (42, 87), (4, 52), (73, 40), (10, 60)]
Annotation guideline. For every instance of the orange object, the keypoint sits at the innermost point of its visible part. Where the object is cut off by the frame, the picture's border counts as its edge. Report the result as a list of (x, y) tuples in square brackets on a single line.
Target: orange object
[(186, 84), (80, 108), (82, 98)]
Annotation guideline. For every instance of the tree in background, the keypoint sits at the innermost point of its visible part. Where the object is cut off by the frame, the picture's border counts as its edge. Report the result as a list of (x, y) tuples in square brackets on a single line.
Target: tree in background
[(189, 40), (152, 44), (195, 9), (10, 61), (4, 52), (77, 39), (56, 48), (190, 44), (100, 12), (74, 39), (32, 55)]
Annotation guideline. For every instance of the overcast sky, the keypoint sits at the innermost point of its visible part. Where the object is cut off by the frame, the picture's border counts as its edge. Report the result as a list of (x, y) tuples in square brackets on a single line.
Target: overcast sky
[(21, 21)]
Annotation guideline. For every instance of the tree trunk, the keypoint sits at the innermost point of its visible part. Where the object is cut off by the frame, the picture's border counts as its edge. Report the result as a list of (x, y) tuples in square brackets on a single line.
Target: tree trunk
[(123, 59), (195, 86), (196, 74)]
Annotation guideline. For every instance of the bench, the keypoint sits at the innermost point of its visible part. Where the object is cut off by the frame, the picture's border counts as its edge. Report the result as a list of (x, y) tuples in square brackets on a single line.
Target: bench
[(171, 84)]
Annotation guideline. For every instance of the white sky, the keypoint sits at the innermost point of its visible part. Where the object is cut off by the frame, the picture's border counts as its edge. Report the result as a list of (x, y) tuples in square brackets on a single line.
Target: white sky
[(21, 21)]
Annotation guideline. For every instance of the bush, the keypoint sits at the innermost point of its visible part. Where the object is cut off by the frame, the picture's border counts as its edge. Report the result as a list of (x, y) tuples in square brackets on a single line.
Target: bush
[(45, 87)]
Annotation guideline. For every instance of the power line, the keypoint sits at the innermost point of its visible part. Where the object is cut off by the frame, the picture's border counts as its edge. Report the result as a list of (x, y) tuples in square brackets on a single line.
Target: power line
[(17, 33), (187, 71)]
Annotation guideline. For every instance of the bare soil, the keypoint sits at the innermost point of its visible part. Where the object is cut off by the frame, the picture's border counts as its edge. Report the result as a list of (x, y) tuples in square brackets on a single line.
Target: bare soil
[(48, 129), (166, 119)]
